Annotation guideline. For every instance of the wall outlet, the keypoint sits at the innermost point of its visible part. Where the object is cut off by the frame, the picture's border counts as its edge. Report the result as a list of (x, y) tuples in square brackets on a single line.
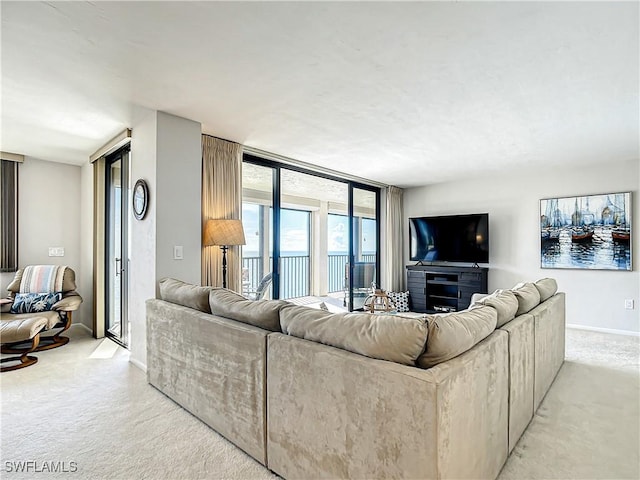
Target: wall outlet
[(56, 251), (628, 304), (178, 253)]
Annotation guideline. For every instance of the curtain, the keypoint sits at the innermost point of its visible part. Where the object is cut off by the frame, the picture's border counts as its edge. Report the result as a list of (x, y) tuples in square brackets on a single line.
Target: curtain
[(9, 216), (394, 255), (221, 198)]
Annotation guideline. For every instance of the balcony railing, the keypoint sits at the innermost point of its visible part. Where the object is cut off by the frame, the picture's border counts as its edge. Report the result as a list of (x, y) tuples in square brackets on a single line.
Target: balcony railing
[(336, 272), (295, 273)]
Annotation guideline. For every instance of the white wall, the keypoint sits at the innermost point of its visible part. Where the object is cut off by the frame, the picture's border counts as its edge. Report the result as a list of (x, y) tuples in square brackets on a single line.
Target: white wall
[(142, 235), (179, 200), (49, 216), (166, 152), (595, 298)]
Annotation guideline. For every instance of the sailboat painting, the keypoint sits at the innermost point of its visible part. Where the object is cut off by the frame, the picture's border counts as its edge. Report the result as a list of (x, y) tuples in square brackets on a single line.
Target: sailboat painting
[(588, 232)]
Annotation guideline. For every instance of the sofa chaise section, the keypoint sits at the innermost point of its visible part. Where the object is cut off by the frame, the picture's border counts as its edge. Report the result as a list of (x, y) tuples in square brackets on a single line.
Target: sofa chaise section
[(521, 375), (549, 320), (533, 315), (213, 367), (337, 414)]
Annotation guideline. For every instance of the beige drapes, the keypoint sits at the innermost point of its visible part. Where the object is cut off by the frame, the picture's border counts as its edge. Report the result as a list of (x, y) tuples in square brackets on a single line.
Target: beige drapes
[(221, 198), (394, 255)]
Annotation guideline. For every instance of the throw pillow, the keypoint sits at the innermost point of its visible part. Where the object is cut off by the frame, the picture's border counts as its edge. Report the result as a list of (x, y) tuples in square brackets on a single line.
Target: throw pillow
[(35, 302), (400, 300)]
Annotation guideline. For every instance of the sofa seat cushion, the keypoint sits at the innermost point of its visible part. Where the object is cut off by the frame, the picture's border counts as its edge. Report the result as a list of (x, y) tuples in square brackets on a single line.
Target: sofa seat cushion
[(185, 294), (52, 317), (547, 287), (259, 313), (385, 337), (528, 297), (451, 334), (505, 303)]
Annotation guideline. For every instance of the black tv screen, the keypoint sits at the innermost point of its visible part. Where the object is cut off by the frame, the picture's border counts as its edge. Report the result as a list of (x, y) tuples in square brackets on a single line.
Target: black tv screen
[(450, 238)]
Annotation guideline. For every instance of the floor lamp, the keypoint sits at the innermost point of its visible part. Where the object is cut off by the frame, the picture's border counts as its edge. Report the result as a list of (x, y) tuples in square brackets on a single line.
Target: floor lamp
[(224, 233)]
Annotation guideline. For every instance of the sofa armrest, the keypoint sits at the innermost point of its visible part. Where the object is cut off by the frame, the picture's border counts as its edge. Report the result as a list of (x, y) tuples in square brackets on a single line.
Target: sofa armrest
[(5, 305), (70, 301), (212, 366)]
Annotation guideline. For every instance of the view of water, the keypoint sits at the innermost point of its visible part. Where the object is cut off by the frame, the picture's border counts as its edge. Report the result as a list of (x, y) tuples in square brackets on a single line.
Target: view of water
[(601, 251), (298, 253)]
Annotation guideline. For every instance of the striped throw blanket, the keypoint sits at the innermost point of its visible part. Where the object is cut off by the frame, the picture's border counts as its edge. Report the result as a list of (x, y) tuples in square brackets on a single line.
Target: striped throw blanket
[(42, 279)]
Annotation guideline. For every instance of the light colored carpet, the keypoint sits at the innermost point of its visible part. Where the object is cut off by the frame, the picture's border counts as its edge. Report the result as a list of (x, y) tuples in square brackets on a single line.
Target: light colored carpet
[(85, 403), (588, 425)]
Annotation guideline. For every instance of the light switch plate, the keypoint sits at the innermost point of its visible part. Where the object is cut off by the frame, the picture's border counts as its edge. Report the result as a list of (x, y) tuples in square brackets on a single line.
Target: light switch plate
[(628, 304), (56, 251), (178, 253)]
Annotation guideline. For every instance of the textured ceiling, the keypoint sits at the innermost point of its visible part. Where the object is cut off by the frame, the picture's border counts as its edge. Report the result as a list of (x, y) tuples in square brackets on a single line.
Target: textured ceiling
[(401, 93)]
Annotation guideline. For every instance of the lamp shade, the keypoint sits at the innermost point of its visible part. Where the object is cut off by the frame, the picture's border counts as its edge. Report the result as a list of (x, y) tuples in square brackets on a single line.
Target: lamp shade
[(224, 232)]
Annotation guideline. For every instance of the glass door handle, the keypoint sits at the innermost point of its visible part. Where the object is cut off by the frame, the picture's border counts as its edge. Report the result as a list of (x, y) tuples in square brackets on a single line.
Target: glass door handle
[(118, 266)]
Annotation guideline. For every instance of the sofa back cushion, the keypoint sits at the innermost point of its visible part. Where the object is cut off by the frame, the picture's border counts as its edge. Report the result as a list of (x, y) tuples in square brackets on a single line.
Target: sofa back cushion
[(259, 313), (547, 287), (385, 337), (528, 297), (505, 303), (185, 294), (451, 334)]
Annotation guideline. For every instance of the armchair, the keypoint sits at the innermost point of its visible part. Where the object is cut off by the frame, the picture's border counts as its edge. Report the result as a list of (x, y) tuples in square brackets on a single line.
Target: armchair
[(262, 288), (364, 277), (44, 291)]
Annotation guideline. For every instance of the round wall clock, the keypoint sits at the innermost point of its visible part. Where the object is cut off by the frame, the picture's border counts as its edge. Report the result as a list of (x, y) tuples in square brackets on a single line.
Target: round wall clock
[(140, 199)]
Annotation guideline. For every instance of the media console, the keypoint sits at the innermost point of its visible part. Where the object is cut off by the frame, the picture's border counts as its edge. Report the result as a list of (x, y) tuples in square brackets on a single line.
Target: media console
[(439, 289)]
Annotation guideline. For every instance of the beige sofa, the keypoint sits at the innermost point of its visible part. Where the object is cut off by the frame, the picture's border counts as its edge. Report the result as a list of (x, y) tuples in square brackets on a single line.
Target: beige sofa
[(312, 394)]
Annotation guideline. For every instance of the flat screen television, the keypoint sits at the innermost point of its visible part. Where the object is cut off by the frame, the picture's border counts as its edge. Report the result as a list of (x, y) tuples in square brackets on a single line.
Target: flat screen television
[(450, 238)]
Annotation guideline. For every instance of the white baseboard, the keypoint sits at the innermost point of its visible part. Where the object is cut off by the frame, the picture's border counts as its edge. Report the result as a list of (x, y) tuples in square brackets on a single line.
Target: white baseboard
[(138, 364), (82, 325), (605, 330)]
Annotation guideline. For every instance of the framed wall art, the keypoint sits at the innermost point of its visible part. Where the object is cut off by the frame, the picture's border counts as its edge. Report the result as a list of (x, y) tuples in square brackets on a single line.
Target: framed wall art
[(587, 232)]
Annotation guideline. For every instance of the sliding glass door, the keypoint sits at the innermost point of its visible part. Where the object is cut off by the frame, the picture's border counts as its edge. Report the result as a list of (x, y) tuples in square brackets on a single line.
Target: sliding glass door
[(117, 202), (257, 220), (306, 232), (364, 272)]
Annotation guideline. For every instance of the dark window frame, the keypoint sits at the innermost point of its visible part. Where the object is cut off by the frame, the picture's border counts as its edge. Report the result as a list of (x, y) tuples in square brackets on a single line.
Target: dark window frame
[(352, 184), (9, 216)]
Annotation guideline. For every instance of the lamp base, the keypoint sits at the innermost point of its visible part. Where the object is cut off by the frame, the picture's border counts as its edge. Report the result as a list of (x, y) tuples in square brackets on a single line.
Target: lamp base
[(224, 265)]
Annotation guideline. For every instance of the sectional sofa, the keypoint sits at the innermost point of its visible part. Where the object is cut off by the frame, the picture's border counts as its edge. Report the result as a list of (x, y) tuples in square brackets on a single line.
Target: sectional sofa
[(313, 394)]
